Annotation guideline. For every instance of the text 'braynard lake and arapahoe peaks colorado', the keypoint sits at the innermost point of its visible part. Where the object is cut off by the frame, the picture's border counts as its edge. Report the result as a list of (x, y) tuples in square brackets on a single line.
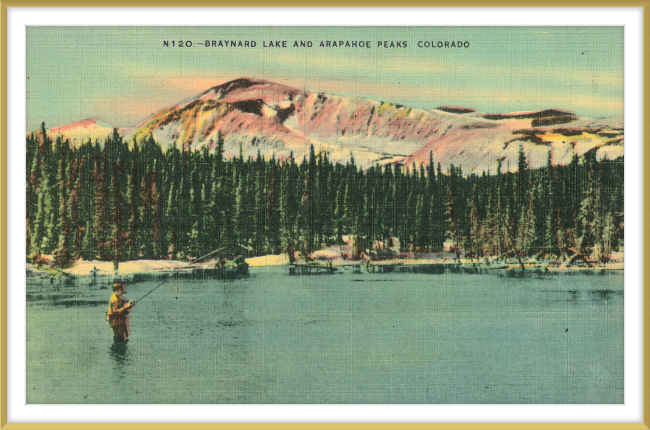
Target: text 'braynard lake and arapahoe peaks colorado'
[(367, 44)]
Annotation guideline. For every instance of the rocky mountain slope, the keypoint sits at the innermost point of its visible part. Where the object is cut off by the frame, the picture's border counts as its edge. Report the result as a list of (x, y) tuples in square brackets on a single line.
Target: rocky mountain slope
[(272, 118)]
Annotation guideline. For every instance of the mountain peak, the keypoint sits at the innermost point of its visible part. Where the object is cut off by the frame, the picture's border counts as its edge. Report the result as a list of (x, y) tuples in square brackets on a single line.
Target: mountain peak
[(94, 122), (256, 115), (248, 89), (237, 84)]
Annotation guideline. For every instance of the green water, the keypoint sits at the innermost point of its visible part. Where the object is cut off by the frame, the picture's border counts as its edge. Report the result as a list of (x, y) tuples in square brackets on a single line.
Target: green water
[(344, 338)]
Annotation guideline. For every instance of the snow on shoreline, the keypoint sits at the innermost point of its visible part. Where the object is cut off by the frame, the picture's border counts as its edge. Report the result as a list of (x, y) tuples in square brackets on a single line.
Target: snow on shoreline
[(84, 268), (87, 268), (268, 260)]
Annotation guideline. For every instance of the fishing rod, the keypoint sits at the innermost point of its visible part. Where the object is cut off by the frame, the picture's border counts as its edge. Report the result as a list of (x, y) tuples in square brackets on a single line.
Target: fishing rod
[(178, 270)]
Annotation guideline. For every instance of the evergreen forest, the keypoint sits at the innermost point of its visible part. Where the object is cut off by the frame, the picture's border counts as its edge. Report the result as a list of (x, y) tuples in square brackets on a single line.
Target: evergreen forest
[(117, 200)]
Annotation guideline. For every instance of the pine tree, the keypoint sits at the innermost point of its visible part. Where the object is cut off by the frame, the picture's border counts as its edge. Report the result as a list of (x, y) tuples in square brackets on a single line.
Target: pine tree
[(133, 198), (339, 212), (288, 207), (410, 233), (100, 227), (226, 208), (214, 200), (76, 187), (350, 217), (82, 204), (39, 230), (171, 220), (158, 218), (453, 211), (589, 207), (87, 195), (63, 254), (33, 180), (195, 225), (526, 225), (57, 193), (423, 208), (439, 226), (241, 215), (522, 183), (117, 231), (273, 208), (472, 239), (490, 229), (308, 203), (572, 227)]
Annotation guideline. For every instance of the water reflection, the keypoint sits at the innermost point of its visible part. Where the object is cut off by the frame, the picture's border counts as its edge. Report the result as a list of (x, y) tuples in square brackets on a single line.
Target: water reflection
[(120, 355)]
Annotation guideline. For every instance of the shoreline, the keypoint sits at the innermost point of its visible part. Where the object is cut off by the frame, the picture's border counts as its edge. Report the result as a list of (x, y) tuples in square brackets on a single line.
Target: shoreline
[(105, 269)]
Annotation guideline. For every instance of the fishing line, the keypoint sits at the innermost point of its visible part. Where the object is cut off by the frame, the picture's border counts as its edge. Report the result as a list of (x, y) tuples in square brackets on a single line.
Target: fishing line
[(178, 270)]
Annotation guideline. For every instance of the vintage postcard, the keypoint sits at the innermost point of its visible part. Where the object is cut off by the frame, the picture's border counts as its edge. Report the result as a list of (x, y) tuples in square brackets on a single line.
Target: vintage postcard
[(334, 215)]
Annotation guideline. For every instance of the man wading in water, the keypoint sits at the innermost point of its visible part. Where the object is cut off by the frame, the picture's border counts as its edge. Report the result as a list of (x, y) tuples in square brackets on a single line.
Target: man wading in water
[(118, 313)]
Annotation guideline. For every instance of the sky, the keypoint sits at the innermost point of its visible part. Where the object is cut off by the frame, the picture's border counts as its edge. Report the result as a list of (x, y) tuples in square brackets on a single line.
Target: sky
[(125, 74)]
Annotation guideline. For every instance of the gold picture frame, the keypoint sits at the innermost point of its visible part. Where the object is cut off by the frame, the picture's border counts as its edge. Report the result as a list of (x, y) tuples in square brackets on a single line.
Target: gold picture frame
[(4, 424)]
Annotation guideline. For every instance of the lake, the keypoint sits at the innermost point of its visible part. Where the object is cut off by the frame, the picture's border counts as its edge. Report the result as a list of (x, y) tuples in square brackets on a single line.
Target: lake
[(342, 338)]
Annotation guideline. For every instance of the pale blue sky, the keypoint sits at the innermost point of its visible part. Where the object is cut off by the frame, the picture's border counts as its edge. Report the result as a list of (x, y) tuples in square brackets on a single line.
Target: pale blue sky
[(124, 74)]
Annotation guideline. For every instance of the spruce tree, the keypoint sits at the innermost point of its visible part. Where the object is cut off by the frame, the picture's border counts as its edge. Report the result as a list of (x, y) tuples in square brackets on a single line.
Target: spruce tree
[(588, 207), (76, 188), (453, 211), (63, 254), (39, 230), (273, 207), (171, 220), (472, 239), (100, 226), (117, 200), (82, 203), (133, 199), (526, 224)]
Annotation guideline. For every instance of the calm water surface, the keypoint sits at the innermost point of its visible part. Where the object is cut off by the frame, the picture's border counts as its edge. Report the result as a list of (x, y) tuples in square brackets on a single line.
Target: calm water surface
[(344, 338)]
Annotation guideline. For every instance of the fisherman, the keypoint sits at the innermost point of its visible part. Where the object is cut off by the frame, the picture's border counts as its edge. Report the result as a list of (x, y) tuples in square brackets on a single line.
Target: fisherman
[(118, 313)]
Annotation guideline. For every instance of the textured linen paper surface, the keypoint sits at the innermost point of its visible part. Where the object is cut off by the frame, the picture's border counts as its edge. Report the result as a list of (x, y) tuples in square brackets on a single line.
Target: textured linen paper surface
[(325, 215)]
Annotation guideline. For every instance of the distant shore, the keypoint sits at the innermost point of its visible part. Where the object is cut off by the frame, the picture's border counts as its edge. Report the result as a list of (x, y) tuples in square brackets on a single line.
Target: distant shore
[(89, 268), (476, 264), (96, 268)]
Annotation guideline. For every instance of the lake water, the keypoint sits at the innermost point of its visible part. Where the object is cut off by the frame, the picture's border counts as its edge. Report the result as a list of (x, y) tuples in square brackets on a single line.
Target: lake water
[(343, 338)]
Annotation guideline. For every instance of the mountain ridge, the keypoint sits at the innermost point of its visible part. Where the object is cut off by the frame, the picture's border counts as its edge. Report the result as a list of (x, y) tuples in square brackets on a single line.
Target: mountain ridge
[(276, 119)]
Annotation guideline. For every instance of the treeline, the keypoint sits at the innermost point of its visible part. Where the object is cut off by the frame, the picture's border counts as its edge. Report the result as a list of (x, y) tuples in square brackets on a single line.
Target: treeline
[(112, 201)]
